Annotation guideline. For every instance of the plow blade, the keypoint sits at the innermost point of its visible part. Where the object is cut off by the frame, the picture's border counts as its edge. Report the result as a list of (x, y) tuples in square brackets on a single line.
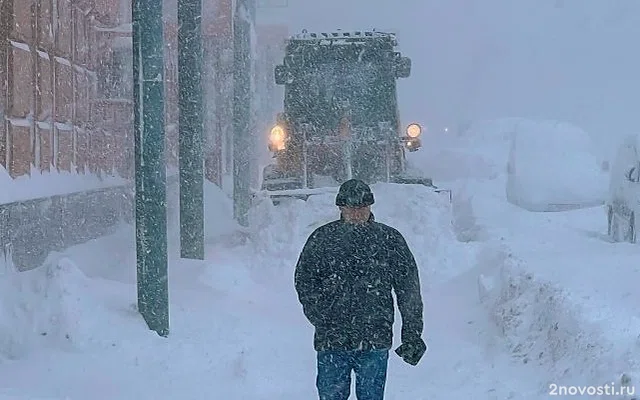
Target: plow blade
[(278, 194), (303, 194), (416, 180), (413, 180)]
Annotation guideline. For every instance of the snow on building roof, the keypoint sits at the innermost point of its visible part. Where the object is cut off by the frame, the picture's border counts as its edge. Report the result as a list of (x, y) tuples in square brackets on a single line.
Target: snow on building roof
[(339, 34)]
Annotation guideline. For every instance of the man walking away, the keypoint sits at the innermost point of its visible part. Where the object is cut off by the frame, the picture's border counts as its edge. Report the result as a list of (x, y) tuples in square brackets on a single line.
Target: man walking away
[(344, 278)]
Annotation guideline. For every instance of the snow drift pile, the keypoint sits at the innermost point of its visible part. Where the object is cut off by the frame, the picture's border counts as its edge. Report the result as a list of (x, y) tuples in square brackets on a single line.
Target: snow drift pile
[(477, 153), (50, 306), (44, 184), (545, 325), (421, 215)]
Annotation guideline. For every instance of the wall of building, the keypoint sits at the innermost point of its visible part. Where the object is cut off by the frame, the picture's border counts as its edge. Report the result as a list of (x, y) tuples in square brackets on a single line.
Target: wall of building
[(50, 58), (66, 104), (66, 86)]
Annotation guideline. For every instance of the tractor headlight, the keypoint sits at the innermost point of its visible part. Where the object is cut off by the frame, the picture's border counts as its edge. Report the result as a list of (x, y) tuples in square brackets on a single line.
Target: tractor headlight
[(277, 138), (414, 130)]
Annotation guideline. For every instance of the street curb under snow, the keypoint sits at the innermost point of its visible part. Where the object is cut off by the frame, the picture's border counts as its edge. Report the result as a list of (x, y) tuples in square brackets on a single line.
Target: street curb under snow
[(544, 327)]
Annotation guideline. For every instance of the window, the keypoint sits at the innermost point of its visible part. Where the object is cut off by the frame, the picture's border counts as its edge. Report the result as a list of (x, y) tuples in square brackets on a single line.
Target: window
[(116, 75)]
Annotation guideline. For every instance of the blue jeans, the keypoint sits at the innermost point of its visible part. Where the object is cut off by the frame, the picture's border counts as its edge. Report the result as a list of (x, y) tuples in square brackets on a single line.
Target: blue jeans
[(334, 374)]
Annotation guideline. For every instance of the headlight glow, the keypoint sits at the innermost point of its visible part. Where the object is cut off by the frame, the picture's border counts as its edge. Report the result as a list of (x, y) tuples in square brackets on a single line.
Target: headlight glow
[(277, 138), (414, 130)]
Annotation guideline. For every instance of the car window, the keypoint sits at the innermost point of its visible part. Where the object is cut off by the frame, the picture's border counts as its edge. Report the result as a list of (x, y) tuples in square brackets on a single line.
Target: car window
[(633, 175)]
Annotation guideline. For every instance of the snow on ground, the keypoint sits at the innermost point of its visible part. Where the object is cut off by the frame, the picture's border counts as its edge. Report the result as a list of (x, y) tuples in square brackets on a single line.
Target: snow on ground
[(237, 330), (514, 300), (560, 294), (566, 297), (45, 184)]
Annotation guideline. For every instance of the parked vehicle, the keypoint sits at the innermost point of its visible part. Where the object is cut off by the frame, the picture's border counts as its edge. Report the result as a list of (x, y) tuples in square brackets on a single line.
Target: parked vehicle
[(623, 203)]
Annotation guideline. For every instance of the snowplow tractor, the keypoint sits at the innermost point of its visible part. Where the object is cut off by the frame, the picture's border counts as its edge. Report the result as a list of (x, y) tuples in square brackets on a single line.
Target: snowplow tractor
[(341, 118)]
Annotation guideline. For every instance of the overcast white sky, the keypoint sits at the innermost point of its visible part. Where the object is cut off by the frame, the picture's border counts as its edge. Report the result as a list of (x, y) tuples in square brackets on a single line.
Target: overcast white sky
[(572, 60)]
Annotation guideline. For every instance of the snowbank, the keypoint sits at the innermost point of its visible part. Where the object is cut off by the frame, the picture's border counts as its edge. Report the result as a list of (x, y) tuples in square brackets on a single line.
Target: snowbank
[(230, 338), (51, 306), (464, 220), (220, 228), (421, 215), (45, 184), (560, 296), (552, 166), (218, 210), (479, 152), (544, 324)]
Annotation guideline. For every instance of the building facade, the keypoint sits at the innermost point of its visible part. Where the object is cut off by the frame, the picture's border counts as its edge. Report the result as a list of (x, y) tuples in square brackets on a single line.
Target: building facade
[(66, 85)]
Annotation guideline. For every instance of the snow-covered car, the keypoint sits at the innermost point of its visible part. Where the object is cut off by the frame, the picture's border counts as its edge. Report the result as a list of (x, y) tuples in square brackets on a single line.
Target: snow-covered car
[(623, 202), (552, 166)]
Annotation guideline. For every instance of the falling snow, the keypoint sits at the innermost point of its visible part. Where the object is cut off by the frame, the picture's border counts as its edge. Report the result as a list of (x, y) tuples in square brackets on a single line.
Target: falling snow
[(496, 257)]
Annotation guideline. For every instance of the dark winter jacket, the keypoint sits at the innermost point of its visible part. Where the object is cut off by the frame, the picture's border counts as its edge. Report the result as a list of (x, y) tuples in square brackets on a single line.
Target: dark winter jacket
[(344, 278)]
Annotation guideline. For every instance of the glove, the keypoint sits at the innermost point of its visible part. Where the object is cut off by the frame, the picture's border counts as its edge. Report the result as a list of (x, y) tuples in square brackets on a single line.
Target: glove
[(412, 352)]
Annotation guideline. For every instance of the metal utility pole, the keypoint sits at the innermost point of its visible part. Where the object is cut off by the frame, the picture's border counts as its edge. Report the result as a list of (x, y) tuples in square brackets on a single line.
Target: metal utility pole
[(150, 172), (243, 21), (190, 131)]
